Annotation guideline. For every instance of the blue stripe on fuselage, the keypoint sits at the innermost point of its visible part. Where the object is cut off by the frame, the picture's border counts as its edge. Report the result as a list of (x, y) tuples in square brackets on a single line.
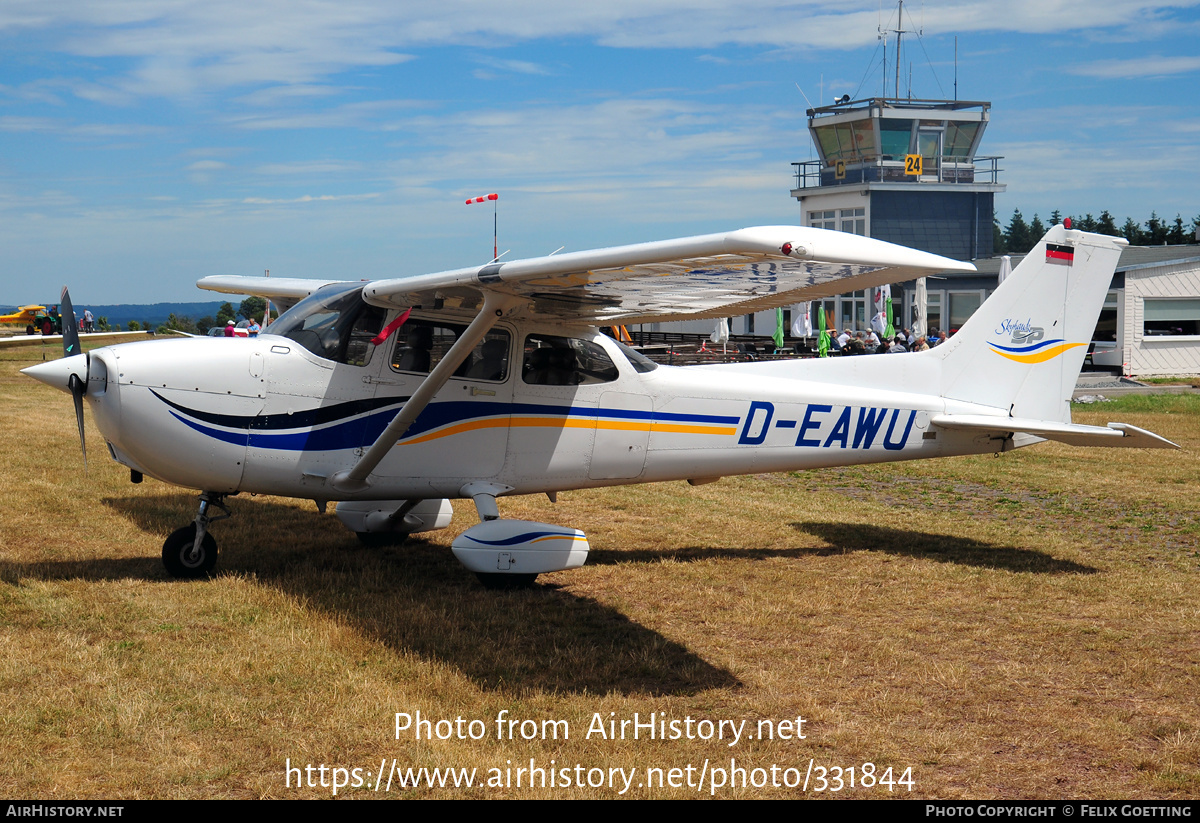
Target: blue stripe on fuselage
[(344, 426)]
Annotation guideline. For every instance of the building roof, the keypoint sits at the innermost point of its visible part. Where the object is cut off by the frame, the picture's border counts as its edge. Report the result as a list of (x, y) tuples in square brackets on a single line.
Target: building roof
[(1132, 258)]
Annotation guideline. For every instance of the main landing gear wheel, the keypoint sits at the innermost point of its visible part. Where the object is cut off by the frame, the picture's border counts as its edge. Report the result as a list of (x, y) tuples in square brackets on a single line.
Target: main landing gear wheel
[(181, 561), (506, 582)]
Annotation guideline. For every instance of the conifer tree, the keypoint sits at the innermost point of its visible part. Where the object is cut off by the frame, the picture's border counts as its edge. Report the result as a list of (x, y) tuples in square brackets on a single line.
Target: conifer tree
[(1036, 230), (1107, 224), (1177, 236), (1016, 236), (1156, 231)]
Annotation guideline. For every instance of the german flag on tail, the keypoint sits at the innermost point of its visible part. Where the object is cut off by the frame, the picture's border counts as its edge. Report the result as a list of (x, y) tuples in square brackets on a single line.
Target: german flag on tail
[(1063, 255)]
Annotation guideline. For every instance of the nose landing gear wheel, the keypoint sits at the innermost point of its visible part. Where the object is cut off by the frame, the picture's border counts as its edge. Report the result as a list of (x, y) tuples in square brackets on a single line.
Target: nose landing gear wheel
[(179, 558)]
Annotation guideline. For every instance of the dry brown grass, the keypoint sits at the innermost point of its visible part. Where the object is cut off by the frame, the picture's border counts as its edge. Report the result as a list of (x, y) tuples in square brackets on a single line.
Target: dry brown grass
[(1018, 627)]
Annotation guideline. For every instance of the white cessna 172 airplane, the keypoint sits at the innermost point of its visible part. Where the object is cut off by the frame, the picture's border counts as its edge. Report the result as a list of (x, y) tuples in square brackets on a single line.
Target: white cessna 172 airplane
[(392, 396)]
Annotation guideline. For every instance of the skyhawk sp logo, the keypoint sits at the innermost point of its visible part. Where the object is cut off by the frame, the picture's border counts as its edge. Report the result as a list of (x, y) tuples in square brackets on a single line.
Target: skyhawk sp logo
[(1028, 335), (1022, 333), (1027, 343)]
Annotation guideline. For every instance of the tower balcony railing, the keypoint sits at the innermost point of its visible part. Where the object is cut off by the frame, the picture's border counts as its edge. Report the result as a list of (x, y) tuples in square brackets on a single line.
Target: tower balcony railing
[(811, 174)]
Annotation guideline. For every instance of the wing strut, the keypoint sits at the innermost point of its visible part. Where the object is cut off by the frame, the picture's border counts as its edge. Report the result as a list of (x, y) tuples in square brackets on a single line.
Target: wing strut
[(355, 479)]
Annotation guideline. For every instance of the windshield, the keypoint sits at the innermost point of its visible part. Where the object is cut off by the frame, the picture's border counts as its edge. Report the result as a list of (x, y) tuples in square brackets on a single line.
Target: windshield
[(334, 323), (640, 362)]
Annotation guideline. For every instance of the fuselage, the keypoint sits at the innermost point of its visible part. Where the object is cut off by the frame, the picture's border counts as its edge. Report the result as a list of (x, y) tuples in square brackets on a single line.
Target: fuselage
[(534, 409)]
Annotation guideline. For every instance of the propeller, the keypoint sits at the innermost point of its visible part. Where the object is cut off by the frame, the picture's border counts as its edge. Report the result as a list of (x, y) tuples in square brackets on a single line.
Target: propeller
[(71, 348)]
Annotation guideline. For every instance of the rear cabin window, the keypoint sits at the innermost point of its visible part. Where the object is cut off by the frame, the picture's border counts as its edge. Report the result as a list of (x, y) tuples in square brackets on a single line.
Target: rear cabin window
[(565, 361), (421, 345)]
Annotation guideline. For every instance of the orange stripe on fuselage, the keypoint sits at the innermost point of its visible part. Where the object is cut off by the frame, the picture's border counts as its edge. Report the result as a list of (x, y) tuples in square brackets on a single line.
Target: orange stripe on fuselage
[(568, 423)]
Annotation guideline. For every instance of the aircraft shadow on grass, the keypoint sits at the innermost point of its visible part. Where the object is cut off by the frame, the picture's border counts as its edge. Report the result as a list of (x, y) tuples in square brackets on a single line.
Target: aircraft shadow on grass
[(944, 548), (418, 598)]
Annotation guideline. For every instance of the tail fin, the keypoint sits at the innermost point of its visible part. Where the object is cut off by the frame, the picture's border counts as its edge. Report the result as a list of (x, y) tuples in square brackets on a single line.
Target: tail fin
[(1023, 348)]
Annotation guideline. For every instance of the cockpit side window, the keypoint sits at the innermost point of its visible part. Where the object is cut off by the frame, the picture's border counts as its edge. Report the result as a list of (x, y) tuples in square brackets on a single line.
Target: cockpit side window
[(363, 330)]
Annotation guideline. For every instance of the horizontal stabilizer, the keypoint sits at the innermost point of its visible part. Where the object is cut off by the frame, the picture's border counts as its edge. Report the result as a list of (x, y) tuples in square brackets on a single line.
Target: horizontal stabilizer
[(1114, 435)]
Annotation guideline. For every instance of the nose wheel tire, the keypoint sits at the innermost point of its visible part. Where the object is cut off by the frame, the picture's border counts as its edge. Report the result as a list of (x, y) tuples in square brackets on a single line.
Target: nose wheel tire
[(178, 557)]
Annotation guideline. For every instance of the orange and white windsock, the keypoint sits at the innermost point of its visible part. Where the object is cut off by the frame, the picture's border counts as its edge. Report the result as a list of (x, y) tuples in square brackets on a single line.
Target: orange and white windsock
[(485, 198)]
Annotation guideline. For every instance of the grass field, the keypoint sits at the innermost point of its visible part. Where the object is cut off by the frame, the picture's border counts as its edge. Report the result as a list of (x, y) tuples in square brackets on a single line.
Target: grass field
[(1017, 627)]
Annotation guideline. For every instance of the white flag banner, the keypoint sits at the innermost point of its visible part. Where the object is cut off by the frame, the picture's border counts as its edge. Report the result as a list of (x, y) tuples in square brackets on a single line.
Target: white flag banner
[(882, 294), (1005, 269), (920, 306), (802, 320)]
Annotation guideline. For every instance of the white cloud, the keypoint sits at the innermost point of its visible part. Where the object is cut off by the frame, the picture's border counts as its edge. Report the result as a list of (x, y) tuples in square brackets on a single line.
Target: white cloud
[(320, 198), (371, 114), (186, 48), (15, 123), (308, 167), (281, 95), (515, 66), (630, 140), (1138, 67)]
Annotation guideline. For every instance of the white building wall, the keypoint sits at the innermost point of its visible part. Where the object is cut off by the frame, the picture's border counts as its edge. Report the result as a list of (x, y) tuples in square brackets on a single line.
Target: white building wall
[(837, 200), (1154, 355)]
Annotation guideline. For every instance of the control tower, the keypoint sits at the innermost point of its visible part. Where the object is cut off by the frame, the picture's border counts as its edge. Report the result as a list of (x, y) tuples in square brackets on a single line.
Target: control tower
[(906, 171)]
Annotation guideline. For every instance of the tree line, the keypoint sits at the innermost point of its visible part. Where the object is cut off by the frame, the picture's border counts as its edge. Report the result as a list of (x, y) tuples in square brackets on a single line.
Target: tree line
[(252, 308), (1019, 236)]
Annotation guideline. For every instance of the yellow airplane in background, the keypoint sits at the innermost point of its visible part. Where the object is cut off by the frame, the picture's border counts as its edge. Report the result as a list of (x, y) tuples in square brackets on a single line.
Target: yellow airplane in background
[(33, 319)]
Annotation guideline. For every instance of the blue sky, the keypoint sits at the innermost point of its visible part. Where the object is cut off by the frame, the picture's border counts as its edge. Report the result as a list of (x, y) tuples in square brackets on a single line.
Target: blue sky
[(147, 143)]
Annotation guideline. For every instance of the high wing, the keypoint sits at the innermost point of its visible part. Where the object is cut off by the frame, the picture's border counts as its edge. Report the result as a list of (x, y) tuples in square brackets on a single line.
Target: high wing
[(284, 292), (713, 275)]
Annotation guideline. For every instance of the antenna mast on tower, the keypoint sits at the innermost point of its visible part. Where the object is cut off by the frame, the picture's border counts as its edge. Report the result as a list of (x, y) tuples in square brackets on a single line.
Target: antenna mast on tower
[(899, 31)]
